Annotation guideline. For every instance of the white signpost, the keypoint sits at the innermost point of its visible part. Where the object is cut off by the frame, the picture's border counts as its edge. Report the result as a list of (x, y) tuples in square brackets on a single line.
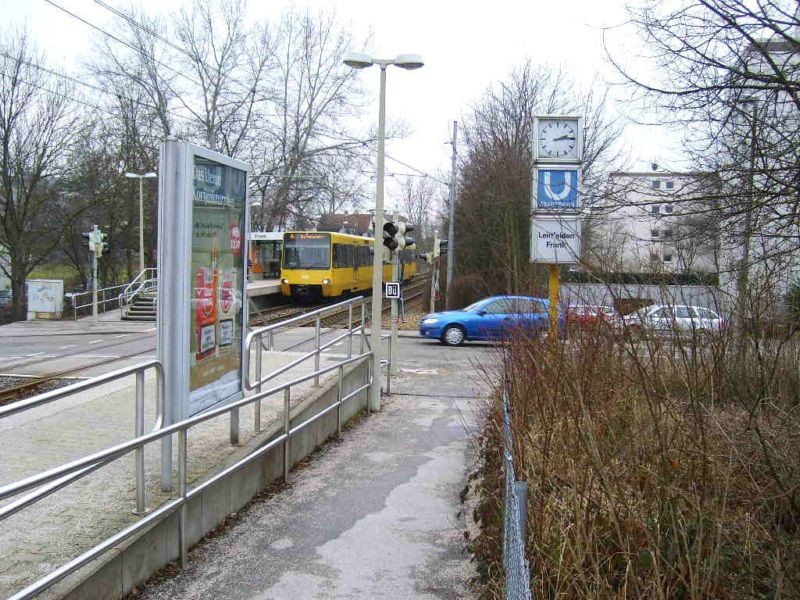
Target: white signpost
[(556, 198)]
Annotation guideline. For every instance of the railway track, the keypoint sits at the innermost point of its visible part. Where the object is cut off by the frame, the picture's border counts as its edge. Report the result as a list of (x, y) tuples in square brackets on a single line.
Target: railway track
[(412, 292), (37, 384)]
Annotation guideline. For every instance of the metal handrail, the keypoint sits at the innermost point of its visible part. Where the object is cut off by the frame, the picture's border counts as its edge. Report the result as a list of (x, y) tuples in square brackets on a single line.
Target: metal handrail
[(82, 386), (140, 283), (101, 301), (258, 334), (79, 467)]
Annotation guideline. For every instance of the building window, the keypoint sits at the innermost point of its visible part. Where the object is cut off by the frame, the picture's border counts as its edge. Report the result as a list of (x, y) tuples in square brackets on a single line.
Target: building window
[(668, 233), (655, 209), (656, 184), (670, 185), (668, 258), (654, 233), (667, 209)]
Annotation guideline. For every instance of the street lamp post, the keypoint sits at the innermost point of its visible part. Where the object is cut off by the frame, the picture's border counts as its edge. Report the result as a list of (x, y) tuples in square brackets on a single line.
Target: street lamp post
[(141, 177), (362, 61)]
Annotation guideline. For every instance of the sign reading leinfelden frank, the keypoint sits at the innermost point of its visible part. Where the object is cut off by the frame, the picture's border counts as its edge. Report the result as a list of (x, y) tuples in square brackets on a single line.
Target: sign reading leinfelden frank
[(556, 239)]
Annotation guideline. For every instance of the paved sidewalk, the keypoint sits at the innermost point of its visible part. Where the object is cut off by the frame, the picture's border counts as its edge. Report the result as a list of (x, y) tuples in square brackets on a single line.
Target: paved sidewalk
[(374, 515)]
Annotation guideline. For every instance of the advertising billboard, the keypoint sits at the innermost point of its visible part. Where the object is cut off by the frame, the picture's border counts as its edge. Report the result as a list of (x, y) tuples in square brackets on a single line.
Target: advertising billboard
[(202, 300), (217, 270)]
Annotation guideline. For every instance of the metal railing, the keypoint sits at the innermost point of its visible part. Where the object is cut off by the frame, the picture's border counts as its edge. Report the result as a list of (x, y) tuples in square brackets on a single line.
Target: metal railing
[(59, 477), (80, 467), (83, 300), (143, 282), (518, 586), (82, 386), (255, 341)]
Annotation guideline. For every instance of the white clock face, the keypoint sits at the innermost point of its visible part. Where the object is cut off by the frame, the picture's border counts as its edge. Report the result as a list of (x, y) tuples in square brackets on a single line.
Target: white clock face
[(558, 139)]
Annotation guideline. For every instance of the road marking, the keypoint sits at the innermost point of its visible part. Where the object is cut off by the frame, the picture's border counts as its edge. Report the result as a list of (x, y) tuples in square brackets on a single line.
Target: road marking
[(34, 354), (95, 341), (11, 357), (121, 335), (148, 330), (67, 346), (95, 356)]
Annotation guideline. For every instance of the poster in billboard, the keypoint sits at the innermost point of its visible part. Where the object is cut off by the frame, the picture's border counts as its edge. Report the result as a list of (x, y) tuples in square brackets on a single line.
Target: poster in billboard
[(217, 273)]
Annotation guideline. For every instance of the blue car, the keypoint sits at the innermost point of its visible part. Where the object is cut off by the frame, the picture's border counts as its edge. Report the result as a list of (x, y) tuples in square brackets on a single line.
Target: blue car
[(488, 319)]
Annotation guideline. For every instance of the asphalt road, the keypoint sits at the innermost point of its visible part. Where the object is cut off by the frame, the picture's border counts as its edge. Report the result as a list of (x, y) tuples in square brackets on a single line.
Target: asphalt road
[(35, 354)]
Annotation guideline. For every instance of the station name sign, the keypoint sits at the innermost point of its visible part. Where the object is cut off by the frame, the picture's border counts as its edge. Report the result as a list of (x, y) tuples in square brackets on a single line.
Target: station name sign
[(556, 239)]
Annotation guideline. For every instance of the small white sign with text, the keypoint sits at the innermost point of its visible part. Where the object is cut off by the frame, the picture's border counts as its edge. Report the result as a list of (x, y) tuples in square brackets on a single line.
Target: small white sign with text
[(556, 239)]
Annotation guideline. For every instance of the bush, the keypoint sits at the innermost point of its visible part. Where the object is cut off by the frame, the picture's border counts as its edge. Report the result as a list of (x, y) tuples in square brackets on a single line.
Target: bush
[(655, 469)]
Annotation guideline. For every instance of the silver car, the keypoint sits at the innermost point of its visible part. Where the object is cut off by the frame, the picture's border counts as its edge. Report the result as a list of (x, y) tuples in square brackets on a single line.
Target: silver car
[(671, 319)]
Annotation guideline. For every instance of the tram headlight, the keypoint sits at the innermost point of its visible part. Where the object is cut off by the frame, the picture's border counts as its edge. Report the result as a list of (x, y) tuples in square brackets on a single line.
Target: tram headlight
[(285, 281), (326, 281)]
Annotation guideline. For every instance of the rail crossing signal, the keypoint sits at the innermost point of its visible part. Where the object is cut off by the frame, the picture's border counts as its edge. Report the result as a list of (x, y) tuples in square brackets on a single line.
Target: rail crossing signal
[(96, 241), (394, 235)]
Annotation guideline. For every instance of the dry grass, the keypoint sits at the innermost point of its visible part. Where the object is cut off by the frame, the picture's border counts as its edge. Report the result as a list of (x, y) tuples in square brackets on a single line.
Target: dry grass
[(655, 470)]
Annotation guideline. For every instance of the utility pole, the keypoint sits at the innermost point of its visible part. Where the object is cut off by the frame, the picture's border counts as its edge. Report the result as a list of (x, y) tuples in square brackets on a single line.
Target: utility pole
[(434, 269), (95, 240), (451, 230)]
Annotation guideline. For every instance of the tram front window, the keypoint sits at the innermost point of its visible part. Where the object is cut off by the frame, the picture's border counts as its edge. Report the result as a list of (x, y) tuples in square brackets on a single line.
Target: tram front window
[(301, 253)]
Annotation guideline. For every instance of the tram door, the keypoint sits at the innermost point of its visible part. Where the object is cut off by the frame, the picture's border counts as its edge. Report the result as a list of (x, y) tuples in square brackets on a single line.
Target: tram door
[(270, 259)]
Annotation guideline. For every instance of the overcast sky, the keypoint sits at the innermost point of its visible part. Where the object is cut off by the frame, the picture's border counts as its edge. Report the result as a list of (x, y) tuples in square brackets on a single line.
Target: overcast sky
[(467, 46)]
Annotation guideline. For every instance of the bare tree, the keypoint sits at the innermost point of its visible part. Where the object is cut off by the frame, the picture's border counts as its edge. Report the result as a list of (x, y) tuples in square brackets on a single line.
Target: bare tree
[(313, 93), (38, 126), (417, 202), (728, 74)]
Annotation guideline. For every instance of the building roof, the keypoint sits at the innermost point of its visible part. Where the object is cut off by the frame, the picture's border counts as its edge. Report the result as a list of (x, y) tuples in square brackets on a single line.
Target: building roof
[(357, 223)]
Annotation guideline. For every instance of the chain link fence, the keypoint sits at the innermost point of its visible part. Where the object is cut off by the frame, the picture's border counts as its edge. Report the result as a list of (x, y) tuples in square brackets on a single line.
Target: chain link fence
[(514, 561)]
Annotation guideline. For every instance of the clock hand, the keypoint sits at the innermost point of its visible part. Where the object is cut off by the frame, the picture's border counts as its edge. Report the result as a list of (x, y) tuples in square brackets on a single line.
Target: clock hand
[(563, 137)]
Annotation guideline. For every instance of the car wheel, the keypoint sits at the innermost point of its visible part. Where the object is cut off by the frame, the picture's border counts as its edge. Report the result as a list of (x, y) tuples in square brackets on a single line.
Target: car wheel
[(453, 335)]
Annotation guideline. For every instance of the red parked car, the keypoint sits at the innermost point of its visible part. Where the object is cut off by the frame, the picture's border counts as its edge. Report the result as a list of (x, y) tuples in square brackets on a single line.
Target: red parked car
[(588, 315)]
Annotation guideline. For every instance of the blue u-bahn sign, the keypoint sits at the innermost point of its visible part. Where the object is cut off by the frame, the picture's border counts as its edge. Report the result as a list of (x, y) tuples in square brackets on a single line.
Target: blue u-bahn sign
[(557, 189)]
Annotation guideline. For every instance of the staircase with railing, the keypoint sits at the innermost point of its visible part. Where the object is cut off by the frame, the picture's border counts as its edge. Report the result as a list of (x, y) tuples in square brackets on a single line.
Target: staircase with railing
[(139, 301)]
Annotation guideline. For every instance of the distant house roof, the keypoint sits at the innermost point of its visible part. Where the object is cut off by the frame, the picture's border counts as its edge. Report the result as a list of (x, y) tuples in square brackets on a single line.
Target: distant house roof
[(355, 223)]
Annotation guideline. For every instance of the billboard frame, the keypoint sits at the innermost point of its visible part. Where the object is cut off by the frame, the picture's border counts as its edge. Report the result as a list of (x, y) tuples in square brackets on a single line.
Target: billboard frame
[(174, 317)]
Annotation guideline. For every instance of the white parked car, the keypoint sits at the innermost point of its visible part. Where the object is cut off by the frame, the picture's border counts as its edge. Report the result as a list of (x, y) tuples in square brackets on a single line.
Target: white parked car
[(674, 319)]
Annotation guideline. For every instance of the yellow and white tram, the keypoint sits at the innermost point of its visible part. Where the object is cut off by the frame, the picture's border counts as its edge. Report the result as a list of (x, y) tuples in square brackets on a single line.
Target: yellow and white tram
[(321, 264)]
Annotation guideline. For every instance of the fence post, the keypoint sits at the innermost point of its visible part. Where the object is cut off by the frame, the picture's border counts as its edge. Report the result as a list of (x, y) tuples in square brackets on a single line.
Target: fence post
[(257, 405), (182, 489), (287, 424), (139, 431), (339, 396), (316, 355), (350, 331)]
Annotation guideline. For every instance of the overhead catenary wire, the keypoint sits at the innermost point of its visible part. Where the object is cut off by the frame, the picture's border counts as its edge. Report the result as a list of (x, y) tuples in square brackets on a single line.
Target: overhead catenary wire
[(91, 87)]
